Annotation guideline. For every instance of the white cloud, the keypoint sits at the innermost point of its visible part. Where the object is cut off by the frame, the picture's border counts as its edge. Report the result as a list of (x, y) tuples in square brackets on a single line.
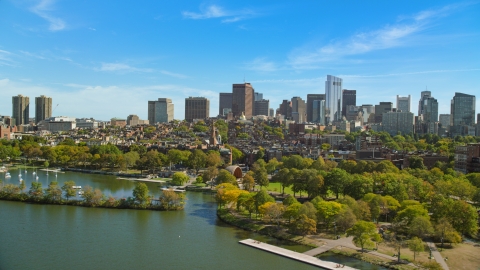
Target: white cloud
[(121, 68), (214, 11), (388, 36), (261, 64), (29, 54), (42, 9), (175, 75), (5, 58), (124, 68)]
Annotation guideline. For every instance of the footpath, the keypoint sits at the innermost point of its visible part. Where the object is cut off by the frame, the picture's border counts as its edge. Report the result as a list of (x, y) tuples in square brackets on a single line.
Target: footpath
[(348, 242)]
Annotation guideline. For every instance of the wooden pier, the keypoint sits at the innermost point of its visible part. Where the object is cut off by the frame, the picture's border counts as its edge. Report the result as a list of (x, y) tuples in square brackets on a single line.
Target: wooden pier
[(293, 255)]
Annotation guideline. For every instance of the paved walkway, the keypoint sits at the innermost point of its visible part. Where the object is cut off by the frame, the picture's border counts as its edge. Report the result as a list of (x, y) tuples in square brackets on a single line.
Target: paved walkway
[(302, 257), (343, 242), (436, 254)]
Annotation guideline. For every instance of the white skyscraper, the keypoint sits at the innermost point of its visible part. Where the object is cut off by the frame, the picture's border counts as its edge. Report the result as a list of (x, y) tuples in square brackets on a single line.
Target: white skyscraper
[(333, 98)]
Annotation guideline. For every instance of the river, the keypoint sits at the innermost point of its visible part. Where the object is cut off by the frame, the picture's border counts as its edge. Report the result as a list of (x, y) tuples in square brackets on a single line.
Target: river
[(68, 237)]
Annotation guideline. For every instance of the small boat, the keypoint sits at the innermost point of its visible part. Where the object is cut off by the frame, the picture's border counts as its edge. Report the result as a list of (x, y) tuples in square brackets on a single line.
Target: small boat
[(80, 193), (20, 180), (7, 175), (19, 175), (36, 178), (76, 187), (34, 173)]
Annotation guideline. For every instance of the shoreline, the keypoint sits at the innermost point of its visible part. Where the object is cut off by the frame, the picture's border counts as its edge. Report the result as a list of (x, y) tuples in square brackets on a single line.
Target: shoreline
[(243, 223)]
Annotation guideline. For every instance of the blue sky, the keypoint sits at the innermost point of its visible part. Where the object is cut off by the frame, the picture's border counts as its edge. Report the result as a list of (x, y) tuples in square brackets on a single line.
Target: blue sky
[(106, 59)]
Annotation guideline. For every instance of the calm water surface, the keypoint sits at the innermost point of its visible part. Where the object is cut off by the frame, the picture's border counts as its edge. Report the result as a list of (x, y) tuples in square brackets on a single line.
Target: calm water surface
[(67, 237)]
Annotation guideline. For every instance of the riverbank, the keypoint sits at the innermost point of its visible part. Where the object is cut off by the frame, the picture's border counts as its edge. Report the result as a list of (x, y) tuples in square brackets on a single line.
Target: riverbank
[(169, 200), (250, 225), (281, 233)]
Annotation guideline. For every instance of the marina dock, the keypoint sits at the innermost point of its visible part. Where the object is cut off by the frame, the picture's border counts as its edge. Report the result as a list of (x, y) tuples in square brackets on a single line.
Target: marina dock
[(293, 255)]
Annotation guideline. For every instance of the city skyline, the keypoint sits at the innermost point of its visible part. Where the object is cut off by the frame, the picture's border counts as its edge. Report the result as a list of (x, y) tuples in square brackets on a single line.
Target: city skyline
[(95, 65)]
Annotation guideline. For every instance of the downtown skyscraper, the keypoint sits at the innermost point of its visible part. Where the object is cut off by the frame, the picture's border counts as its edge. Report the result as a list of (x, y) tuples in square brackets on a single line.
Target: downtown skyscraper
[(43, 108), (243, 100), (333, 99), (21, 109)]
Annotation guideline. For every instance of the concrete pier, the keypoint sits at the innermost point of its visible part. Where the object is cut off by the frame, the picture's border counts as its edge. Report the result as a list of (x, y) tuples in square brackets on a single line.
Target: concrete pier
[(292, 255)]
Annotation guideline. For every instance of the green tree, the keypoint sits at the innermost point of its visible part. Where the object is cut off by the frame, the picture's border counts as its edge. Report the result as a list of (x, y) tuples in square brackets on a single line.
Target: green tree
[(68, 189), (248, 182), (54, 192), (36, 191), (445, 232), (140, 194), (225, 176), (284, 177), (272, 165), (314, 182), (309, 210), (261, 198), (336, 180), (213, 159), (292, 211), (289, 200), (416, 246), (197, 160), (345, 219), (92, 197), (179, 178), (260, 174), (364, 234), (131, 158), (416, 162), (304, 225), (420, 227)]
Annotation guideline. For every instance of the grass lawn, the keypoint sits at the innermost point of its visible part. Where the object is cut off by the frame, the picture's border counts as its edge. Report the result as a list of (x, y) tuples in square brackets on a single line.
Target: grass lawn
[(462, 256), (405, 253), (277, 187)]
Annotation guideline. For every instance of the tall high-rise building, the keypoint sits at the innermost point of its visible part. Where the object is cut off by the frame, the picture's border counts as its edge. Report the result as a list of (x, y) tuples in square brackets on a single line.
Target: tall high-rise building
[(463, 106), (285, 109), (430, 110), (299, 106), (21, 109), (382, 108), (444, 119), (242, 100), (318, 112), (43, 108), (403, 103), (349, 97), (261, 107), (310, 99), (368, 113), (394, 122), (333, 99), (225, 102), (257, 96), (160, 111), (423, 95), (196, 108)]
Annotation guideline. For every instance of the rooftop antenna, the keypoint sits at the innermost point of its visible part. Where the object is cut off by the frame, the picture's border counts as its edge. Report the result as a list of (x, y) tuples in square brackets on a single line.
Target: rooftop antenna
[(243, 77)]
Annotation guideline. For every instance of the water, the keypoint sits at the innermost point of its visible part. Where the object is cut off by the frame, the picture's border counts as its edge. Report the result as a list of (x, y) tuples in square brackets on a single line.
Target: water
[(66, 237)]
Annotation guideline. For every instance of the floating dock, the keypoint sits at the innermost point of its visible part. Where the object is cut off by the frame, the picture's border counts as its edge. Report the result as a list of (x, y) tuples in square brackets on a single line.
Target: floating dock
[(293, 255)]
